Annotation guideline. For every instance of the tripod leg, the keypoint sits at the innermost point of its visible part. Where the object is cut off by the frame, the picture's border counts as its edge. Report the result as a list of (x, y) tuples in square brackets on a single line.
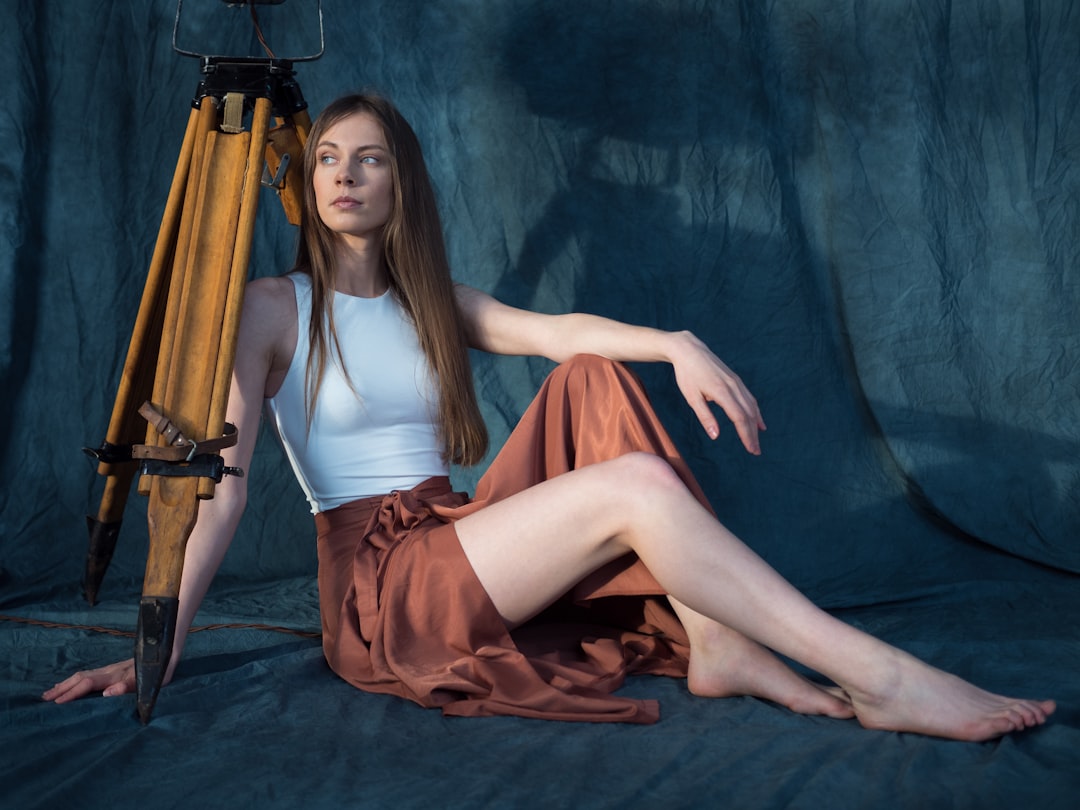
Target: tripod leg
[(104, 529), (194, 372), (126, 427)]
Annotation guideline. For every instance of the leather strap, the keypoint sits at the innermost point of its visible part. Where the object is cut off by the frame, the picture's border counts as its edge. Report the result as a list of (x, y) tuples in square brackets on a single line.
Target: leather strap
[(178, 447)]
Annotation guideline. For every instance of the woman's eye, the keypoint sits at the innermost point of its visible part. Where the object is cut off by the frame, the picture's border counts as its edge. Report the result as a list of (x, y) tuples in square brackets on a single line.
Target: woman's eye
[(326, 159), (369, 159)]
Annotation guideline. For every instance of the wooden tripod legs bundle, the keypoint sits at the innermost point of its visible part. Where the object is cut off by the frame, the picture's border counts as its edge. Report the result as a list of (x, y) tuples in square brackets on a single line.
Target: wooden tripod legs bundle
[(181, 359)]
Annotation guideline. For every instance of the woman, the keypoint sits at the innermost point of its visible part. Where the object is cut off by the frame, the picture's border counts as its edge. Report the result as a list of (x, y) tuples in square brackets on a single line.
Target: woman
[(432, 596)]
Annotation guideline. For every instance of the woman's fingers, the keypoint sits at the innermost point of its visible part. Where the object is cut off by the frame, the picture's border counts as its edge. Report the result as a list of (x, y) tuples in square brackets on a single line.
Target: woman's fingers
[(73, 688), (747, 421), (704, 380), (736, 401), (111, 680), (747, 418)]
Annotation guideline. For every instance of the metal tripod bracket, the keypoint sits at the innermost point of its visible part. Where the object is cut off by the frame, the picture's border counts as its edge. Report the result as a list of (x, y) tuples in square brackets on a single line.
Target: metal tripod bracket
[(203, 465)]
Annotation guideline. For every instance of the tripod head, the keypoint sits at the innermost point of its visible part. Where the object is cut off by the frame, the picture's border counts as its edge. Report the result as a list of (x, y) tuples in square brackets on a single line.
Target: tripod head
[(236, 82), (253, 78)]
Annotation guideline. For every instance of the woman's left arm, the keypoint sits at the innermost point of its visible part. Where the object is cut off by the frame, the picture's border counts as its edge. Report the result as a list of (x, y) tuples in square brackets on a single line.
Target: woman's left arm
[(701, 376)]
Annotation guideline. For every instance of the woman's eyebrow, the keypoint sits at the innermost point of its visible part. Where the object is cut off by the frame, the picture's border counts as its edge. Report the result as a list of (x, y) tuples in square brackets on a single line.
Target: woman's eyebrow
[(365, 148)]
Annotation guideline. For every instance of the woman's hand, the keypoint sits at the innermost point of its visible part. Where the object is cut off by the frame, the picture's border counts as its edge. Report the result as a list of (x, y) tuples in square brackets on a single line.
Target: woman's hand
[(703, 378), (114, 679)]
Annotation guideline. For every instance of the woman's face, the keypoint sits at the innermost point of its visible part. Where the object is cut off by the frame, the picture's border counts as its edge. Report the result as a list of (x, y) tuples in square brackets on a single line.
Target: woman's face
[(352, 178)]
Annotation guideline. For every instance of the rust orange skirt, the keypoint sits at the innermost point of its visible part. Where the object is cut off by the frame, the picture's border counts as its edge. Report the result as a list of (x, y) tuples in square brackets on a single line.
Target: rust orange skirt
[(404, 614)]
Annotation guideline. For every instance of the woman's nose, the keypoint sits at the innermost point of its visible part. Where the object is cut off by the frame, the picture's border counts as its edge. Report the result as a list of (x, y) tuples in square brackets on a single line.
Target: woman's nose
[(345, 175)]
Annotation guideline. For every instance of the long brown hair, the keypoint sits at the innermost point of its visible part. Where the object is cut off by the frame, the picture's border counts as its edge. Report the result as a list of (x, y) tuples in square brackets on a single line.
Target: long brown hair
[(419, 273)]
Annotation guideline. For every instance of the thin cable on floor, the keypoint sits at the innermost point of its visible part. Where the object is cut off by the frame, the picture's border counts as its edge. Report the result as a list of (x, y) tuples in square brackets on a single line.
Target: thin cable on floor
[(112, 631)]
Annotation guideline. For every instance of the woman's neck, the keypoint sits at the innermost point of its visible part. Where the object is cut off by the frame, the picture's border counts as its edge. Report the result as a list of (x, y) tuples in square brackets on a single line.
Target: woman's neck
[(361, 270)]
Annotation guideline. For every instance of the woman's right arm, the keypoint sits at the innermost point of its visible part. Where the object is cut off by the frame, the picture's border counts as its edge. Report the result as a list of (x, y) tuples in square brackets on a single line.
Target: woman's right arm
[(260, 359)]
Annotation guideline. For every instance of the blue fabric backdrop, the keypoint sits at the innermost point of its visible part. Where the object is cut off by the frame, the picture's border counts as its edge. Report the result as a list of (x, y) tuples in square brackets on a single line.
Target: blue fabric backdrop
[(868, 209)]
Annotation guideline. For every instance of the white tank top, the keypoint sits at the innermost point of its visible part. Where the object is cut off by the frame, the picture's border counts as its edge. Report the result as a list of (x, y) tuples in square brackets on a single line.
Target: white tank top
[(371, 440)]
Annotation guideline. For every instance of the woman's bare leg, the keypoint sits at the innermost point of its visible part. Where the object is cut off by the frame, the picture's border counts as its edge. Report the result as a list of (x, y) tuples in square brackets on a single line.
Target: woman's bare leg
[(530, 548), (725, 663)]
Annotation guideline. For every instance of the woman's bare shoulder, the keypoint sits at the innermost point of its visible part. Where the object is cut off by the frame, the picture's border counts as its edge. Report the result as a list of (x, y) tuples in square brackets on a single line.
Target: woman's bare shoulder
[(268, 327), (270, 295)]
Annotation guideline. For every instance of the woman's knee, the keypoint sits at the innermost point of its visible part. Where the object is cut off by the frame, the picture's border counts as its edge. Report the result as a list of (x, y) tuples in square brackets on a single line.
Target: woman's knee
[(596, 378), (646, 475)]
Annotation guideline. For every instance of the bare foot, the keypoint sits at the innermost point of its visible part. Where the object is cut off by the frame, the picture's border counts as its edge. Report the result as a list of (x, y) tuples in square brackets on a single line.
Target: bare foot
[(729, 664), (919, 698)]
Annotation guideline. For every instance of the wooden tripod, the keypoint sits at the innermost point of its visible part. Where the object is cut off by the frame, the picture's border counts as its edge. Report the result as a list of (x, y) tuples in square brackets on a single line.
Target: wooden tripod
[(181, 354)]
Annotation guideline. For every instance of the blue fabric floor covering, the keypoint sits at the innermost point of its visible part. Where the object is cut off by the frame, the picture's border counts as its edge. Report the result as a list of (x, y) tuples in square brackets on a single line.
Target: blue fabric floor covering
[(868, 210)]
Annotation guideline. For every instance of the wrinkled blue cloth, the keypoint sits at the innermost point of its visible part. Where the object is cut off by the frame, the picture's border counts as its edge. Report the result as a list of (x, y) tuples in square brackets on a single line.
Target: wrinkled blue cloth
[(869, 210)]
